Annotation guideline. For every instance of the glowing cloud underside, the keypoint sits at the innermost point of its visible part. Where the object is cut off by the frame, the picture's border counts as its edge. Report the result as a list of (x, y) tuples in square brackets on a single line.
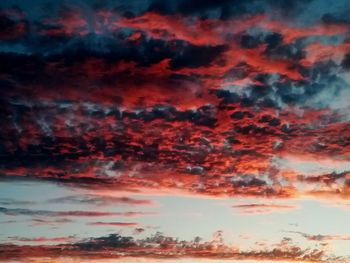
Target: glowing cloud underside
[(133, 130)]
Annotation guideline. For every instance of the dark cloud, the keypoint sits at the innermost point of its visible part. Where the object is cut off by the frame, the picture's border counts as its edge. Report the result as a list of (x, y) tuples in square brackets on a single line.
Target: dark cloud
[(273, 40), (293, 52), (346, 62), (197, 56), (111, 241), (249, 181), (290, 8), (334, 19), (13, 24), (327, 179), (223, 8), (249, 41)]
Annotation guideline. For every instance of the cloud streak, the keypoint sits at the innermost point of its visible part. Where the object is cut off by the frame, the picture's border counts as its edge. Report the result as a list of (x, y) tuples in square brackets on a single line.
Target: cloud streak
[(118, 224), (321, 238), (100, 200), (263, 208), (47, 213)]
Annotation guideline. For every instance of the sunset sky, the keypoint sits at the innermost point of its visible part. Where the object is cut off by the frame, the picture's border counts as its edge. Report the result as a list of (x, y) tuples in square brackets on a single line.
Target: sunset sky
[(175, 131)]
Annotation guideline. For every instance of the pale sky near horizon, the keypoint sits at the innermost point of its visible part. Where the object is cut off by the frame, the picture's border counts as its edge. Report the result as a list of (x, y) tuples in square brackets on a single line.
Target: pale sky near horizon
[(182, 217)]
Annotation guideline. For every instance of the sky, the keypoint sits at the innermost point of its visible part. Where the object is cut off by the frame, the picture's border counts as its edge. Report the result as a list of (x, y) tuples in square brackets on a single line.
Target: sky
[(174, 131)]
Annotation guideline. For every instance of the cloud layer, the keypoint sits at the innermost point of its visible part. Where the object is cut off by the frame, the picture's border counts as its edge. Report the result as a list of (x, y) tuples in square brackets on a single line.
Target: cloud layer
[(225, 98)]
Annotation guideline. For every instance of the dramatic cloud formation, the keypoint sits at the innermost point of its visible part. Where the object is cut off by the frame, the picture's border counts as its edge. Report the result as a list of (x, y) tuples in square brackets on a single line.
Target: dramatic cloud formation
[(121, 102)]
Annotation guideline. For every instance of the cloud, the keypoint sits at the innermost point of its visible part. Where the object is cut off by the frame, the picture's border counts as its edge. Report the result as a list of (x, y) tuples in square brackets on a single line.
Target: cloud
[(114, 245), (346, 62), (14, 24), (50, 222), (47, 213), (118, 224), (213, 99), (313, 167), (321, 238), (100, 200), (8, 201), (262, 208), (66, 239), (216, 96)]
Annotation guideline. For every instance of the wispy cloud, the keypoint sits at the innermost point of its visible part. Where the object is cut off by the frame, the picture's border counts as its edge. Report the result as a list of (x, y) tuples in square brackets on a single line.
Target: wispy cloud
[(13, 202), (44, 239), (118, 224), (258, 208), (321, 237), (47, 213), (100, 200)]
